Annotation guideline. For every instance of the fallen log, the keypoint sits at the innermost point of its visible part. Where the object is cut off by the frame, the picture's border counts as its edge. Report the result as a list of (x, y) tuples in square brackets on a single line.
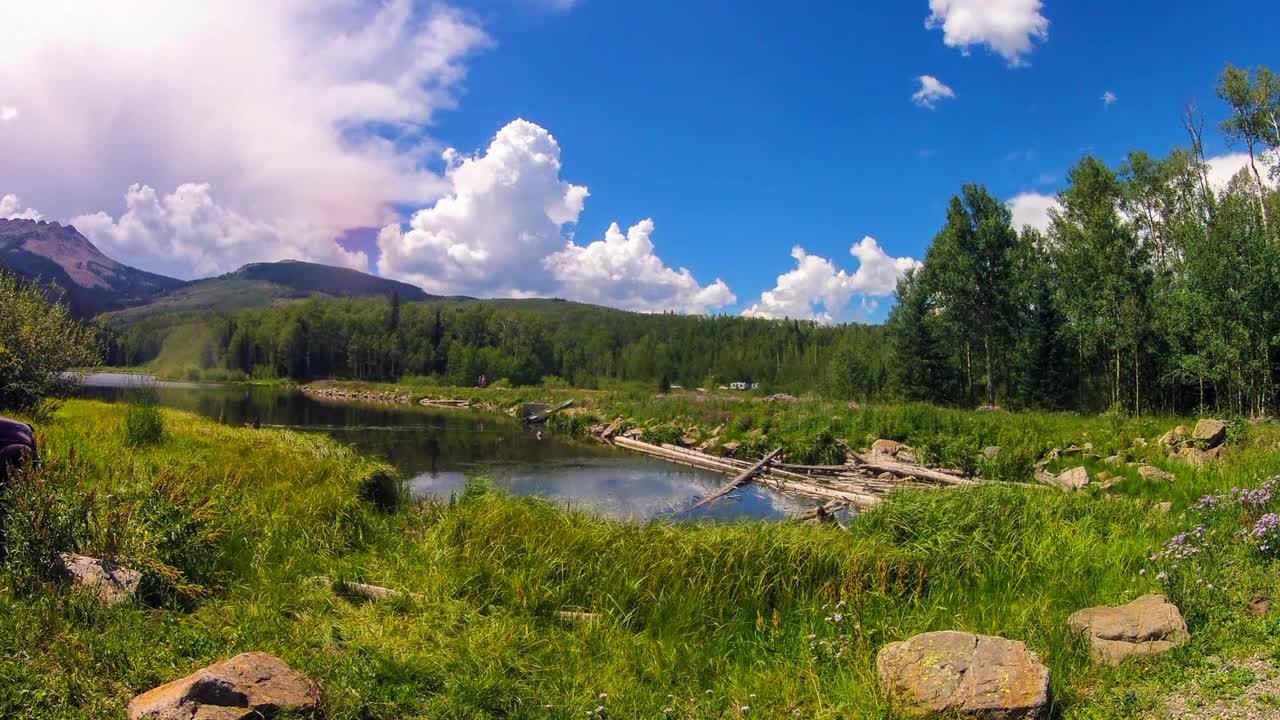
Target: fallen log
[(543, 416), (737, 482), (916, 471), (862, 491), (430, 402)]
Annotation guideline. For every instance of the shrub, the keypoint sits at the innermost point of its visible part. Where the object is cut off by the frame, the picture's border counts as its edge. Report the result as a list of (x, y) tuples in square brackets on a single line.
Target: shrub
[(39, 342), (143, 423)]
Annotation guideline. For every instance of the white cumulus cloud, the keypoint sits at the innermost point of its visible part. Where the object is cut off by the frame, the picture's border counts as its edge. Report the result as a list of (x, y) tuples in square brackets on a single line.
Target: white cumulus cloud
[(11, 208), (1109, 98), (501, 229), (932, 90), (623, 271), (8, 112), (298, 112), (817, 290), (1009, 28), (186, 234), (1223, 168), (1032, 208)]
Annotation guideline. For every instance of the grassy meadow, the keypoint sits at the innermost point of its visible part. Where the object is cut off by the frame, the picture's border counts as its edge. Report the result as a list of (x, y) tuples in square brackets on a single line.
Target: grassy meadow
[(241, 535)]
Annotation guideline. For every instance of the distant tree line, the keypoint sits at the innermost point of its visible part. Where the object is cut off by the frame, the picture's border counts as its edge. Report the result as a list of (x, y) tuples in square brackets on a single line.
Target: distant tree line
[(1151, 289), (521, 342)]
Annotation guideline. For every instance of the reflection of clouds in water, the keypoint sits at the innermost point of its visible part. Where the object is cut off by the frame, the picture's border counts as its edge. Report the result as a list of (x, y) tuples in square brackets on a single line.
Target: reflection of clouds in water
[(441, 484), (621, 487)]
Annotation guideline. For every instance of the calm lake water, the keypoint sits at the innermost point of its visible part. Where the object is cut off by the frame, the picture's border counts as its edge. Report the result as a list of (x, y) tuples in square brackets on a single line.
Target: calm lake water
[(437, 450)]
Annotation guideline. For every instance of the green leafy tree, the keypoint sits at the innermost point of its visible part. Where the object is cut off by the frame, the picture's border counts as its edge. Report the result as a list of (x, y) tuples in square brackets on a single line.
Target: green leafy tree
[(971, 264), (40, 341)]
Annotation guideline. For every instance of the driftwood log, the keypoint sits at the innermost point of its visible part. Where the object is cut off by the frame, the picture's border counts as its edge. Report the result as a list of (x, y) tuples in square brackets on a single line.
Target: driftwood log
[(860, 484), (737, 482)]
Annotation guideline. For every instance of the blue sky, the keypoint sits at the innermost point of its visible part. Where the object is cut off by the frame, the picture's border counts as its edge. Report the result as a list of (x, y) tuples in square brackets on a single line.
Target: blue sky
[(741, 129)]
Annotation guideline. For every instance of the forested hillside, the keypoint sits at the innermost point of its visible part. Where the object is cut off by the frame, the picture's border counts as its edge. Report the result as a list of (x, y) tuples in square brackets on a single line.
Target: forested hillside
[(519, 341), (1152, 289)]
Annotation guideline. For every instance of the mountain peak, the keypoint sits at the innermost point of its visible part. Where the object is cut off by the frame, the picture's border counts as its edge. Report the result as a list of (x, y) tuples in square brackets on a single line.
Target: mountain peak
[(60, 254)]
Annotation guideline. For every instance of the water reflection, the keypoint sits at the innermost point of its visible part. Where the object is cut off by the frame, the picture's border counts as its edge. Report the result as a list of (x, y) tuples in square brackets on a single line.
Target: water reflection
[(437, 450)]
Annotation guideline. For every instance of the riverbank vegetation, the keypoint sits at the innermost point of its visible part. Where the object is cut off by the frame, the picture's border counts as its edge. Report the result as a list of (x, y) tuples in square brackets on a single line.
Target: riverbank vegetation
[(234, 528)]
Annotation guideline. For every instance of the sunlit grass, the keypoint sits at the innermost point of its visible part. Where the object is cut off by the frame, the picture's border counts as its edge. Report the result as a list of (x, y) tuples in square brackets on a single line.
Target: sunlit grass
[(703, 619)]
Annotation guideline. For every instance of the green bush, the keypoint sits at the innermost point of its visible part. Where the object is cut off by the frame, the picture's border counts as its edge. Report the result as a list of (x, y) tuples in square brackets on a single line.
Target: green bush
[(39, 342)]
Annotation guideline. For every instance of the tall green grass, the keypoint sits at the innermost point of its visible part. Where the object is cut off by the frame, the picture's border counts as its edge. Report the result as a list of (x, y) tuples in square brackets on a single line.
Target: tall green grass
[(235, 528)]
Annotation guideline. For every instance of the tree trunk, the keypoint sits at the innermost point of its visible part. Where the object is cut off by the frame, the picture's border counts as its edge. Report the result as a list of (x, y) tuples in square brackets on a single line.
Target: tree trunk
[(1262, 193), (991, 387)]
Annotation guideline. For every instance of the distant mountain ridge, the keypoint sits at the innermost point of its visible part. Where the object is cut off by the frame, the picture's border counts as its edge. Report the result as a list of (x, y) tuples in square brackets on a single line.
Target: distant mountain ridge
[(93, 282), (263, 284), (96, 284)]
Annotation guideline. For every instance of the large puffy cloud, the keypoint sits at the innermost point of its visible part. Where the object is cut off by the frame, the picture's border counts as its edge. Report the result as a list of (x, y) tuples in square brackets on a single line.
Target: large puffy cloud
[(623, 271), (500, 230), (11, 207), (1033, 208), (817, 290), (1223, 168), (298, 112), (186, 234), (1008, 27)]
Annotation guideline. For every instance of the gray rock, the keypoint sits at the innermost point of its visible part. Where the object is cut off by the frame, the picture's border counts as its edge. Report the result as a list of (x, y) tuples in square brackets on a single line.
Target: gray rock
[(1114, 460), (110, 583), (250, 685), (1210, 432), (1147, 626), (991, 452), (963, 675)]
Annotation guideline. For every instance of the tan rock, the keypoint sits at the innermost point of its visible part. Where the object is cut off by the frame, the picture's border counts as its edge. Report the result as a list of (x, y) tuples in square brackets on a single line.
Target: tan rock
[(105, 580), (249, 685), (1154, 474), (1074, 479), (1147, 626), (963, 675), (991, 452), (1210, 432), (1114, 460), (886, 448), (1194, 456)]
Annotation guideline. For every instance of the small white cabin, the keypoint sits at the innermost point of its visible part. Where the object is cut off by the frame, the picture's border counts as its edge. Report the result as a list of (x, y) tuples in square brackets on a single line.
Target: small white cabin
[(737, 386)]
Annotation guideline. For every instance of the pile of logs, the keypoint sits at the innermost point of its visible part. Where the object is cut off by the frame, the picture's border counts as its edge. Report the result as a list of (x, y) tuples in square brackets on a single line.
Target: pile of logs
[(862, 482)]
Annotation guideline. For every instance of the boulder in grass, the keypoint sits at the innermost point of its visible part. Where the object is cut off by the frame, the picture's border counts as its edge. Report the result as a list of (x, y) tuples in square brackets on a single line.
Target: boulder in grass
[(250, 685), (1154, 474), (1147, 626), (1194, 456), (1074, 479), (963, 675), (991, 452), (110, 583), (1210, 433)]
